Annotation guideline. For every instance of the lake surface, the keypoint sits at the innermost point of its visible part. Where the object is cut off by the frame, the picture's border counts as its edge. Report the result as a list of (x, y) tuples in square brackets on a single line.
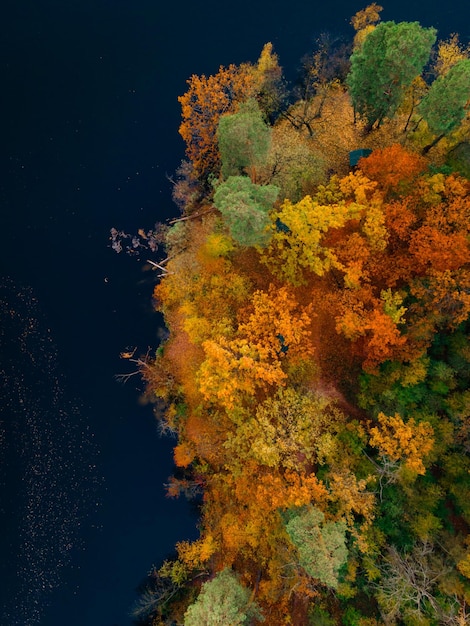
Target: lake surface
[(89, 132)]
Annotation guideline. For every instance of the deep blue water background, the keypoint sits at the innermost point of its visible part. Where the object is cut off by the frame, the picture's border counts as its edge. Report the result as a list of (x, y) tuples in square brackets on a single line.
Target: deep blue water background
[(88, 129)]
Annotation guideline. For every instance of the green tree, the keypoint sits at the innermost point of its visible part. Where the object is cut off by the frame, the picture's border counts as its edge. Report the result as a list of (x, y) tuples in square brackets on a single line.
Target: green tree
[(443, 107), (222, 601), (245, 206), (391, 56), (321, 545), (244, 140)]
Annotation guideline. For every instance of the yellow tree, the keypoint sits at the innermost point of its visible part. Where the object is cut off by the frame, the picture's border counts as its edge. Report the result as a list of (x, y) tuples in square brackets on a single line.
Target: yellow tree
[(271, 92), (291, 430), (297, 243), (449, 52), (366, 17), (398, 440)]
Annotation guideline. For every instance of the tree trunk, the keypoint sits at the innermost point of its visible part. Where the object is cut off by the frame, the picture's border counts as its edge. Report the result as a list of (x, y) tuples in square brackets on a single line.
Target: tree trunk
[(426, 149)]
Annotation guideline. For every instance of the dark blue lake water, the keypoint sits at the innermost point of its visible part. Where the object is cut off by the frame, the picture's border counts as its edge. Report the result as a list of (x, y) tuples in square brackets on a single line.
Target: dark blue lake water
[(88, 131)]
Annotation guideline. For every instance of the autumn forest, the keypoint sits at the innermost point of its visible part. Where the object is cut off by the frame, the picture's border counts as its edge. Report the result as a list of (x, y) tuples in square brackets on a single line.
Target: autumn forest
[(316, 290)]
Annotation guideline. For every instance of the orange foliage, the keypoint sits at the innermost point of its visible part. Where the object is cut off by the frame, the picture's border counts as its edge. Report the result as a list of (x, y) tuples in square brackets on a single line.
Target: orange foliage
[(275, 328), (392, 166), (183, 455), (254, 496), (431, 248), (384, 337), (442, 298), (206, 100), (399, 219), (275, 322), (236, 369), (366, 17), (397, 440), (205, 435), (360, 272), (274, 491), (366, 318), (196, 554), (183, 359)]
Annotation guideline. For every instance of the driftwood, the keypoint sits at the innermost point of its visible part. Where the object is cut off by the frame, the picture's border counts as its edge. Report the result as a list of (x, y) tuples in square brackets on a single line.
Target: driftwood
[(192, 217)]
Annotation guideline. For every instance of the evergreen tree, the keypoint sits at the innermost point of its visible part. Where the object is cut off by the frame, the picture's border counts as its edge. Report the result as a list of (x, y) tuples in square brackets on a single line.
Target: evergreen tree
[(222, 601), (443, 107), (321, 545), (244, 140), (391, 56), (245, 207)]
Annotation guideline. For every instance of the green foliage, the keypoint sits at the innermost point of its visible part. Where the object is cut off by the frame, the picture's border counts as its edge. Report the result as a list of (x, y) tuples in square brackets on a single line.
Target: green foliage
[(293, 163), (176, 238), (391, 517), (244, 139), (319, 617), (222, 601), (433, 383), (443, 107), (321, 545), (458, 159), (333, 508), (351, 617), (391, 56), (245, 206)]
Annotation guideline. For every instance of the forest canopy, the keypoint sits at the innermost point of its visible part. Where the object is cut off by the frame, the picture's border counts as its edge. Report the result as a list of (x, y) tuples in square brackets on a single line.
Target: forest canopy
[(316, 372)]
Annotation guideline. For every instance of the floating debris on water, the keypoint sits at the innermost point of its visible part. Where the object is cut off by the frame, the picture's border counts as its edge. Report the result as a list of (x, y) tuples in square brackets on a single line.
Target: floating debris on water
[(48, 475)]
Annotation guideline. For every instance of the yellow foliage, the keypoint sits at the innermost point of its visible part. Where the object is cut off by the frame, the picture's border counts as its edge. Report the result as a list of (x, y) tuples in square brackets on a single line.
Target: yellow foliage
[(268, 60), (398, 440), (361, 35), (235, 532), (357, 185), (374, 227), (196, 554), (351, 496), (449, 52), (366, 17), (464, 566), (364, 22), (289, 430), (217, 244), (275, 329), (300, 246), (334, 131), (278, 324), (258, 354), (293, 164), (392, 305), (413, 373)]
